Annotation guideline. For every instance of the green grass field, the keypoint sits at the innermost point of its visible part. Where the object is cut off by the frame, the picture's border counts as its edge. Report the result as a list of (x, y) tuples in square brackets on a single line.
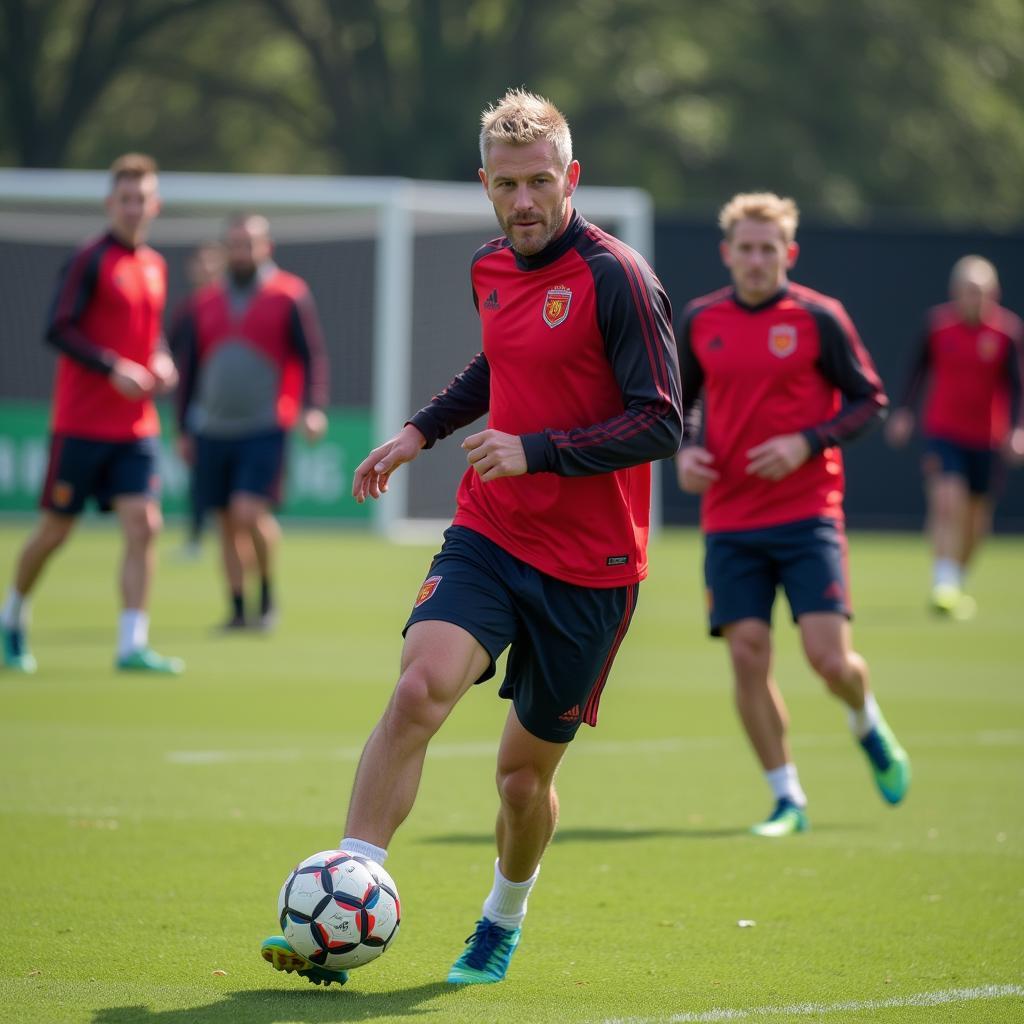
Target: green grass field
[(148, 823)]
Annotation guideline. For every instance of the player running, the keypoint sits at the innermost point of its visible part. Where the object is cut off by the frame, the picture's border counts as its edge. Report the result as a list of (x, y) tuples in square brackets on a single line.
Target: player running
[(578, 377), (969, 360), (106, 323), (779, 378)]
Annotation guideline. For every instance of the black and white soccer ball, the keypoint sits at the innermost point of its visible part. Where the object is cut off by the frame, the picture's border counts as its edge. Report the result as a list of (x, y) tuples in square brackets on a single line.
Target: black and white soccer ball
[(339, 910)]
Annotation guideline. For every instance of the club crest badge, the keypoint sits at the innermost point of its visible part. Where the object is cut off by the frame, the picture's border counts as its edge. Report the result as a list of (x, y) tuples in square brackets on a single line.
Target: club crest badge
[(556, 306), (988, 346), (782, 340), (427, 590), (61, 493)]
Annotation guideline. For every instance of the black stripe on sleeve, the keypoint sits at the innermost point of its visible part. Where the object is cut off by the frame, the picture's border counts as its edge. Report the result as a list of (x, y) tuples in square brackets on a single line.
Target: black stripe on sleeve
[(308, 342)]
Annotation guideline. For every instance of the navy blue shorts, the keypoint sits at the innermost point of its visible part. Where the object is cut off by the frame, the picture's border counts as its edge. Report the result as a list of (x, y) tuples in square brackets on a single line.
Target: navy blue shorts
[(743, 569), (81, 468), (239, 465), (563, 637), (975, 465)]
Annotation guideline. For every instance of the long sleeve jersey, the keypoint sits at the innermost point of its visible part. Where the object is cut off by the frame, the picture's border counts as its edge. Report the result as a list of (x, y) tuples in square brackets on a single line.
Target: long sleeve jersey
[(793, 364), (109, 304), (578, 360), (972, 375)]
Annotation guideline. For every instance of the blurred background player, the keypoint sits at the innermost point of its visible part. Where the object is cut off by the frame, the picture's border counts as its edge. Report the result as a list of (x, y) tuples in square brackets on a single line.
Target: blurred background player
[(252, 362), (785, 380), (969, 365), (204, 266), (106, 323), (549, 542)]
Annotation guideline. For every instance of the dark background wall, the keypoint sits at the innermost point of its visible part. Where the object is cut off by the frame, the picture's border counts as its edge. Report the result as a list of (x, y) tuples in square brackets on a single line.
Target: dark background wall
[(886, 278)]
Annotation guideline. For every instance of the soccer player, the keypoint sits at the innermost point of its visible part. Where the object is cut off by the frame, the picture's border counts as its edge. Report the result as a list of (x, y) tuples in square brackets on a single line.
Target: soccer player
[(970, 361), (785, 380), (205, 266), (106, 324), (252, 363), (578, 377)]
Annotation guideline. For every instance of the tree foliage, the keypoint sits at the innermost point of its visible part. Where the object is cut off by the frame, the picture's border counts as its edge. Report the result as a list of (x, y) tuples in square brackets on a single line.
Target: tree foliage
[(881, 108)]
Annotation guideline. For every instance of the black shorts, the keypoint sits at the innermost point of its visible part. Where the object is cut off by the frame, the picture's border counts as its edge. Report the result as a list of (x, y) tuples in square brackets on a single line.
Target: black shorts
[(977, 466), (743, 569), (239, 465), (81, 468), (563, 637)]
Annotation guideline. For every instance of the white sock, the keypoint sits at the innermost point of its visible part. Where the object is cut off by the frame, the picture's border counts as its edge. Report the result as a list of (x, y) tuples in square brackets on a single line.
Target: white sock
[(506, 904), (785, 784), (132, 631), (864, 719), (947, 572), (363, 849), (15, 610)]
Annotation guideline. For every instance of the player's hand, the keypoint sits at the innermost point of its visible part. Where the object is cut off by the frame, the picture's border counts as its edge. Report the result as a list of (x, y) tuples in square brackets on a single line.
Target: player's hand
[(314, 425), (1015, 447), (778, 456), (694, 469), (187, 449), (494, 454), (371, 475), (899, 427), (165, 373), (132, 379)]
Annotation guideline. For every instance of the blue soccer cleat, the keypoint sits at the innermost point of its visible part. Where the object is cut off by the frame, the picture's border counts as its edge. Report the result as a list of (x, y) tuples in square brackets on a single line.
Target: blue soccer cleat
[(486, 958), (786, 819), (282, 957), (889, 762), (16, 652)]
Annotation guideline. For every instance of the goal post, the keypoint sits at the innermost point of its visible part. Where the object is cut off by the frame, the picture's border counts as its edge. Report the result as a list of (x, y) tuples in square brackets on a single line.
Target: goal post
[(420, 237)]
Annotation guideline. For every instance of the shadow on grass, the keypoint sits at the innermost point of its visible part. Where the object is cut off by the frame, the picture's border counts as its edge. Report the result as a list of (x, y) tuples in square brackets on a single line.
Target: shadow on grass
[(266, 1006), (596, 835)]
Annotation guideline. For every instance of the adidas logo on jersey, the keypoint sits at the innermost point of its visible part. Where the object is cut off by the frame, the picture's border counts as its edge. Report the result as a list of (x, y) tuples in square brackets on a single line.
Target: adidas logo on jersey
[(491, 302), (572, 715)]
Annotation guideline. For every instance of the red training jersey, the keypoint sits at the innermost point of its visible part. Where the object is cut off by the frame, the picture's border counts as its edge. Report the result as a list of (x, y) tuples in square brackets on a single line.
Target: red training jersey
[(578, 360), (109, 305), (251, 358), (972, 376), (792, 364)]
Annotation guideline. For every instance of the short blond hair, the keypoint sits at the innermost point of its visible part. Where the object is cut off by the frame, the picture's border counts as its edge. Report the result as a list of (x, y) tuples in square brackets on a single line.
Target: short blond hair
[(977, 269), (521, 117), (131, 165), (762, 206)]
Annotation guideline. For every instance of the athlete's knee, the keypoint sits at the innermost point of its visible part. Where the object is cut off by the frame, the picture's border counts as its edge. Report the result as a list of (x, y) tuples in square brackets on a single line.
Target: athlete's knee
[(419, 702), (524, 788), (833, 664), (53, 531), (142, 527), (750, 650)]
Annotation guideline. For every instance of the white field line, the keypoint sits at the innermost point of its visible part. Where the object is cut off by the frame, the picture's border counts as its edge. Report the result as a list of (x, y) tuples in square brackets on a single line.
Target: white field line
[(942, 997), (602, 748)]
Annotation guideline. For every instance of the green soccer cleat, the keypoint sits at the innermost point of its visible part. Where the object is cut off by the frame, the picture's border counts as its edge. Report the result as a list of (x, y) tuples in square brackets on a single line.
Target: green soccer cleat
[(282, 957), (944, 598), (787, 819), (889, 762), (16, 653), (145, 659), (489, 950)]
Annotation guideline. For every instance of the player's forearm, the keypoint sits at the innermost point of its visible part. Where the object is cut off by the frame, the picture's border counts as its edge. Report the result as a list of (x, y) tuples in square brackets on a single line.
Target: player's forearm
[(466, 398), (857, 418), (640, 434), (75, 345)]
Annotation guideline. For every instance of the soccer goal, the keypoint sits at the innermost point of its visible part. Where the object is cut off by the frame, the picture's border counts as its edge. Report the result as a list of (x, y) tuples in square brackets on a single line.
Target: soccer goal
[(387, 260)]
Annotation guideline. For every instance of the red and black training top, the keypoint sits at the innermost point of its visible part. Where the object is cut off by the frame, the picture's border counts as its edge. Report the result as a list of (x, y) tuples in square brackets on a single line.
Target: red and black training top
[(973, 376), (792, 364), (109, 305), (578, 360)]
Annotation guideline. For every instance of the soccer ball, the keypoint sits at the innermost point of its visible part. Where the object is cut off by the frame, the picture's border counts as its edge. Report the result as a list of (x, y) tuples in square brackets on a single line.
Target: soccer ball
[(339, 910)]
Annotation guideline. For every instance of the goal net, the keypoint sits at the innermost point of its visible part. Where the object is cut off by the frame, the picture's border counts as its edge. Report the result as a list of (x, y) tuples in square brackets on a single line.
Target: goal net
[(387, 261)]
